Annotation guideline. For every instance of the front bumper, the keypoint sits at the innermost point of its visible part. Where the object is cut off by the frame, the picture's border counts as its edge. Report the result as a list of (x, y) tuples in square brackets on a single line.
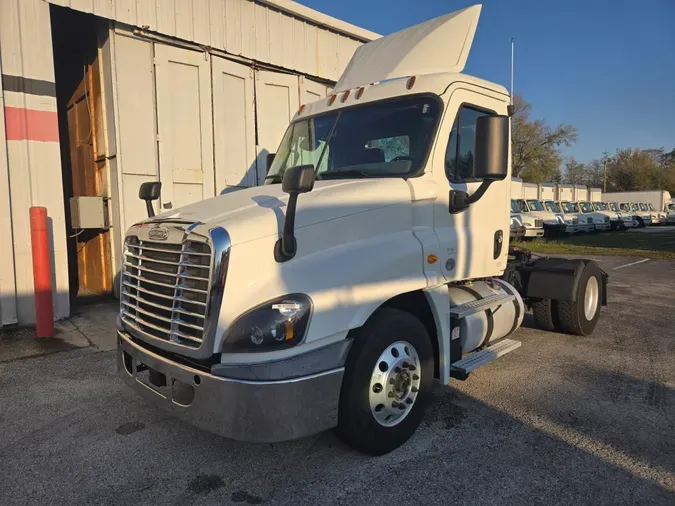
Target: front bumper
[(256, 411), (534, 232), (571, 228), (602, 227), (516, 234)]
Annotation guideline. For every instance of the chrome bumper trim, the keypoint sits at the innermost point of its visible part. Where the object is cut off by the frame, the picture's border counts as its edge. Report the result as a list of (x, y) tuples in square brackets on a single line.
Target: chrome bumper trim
[(256, 411)]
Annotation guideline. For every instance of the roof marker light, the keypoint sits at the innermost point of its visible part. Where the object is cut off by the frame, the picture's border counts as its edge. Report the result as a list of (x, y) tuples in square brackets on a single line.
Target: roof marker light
[(331, 99), (410, 83), (359, 93), (345, 96)]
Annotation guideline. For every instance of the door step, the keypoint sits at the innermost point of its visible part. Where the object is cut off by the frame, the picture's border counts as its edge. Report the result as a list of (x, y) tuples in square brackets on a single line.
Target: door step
[(476, 306), (461, 369)]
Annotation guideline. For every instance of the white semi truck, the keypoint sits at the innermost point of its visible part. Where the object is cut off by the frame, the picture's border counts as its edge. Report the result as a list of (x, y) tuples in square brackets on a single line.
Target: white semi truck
[(554, 223), (373, 261), (658, 199)]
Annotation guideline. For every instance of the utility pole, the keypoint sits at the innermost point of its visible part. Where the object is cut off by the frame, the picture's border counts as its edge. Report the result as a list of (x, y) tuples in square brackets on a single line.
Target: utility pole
[(604, 176)]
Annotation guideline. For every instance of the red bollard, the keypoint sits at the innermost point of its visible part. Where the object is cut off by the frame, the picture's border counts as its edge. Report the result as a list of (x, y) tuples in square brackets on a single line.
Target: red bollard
[(42, 273)]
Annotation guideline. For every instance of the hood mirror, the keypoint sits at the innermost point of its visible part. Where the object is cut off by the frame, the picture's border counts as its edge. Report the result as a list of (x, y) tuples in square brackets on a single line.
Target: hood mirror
[(297, 180), (150, 191)]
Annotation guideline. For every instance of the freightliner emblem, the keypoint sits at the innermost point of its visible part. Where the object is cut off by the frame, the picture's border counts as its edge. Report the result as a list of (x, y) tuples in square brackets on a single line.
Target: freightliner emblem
[(159, 233)]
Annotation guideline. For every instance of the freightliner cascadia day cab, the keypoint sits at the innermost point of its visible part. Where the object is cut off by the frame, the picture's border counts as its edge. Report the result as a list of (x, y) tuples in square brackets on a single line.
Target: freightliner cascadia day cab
[(372, 262)]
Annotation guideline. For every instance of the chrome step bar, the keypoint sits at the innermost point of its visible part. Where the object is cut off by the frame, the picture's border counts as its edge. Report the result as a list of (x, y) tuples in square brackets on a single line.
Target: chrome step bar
[(461, 369), (476, 306)]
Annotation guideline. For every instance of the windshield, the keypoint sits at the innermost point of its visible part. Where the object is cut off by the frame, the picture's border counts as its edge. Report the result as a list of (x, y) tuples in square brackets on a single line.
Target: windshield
[(671, 207), (586, 207), (382, 139), (551, 206), (643, 207), (614, 207), (651, 207), (535, 205), (567, 207), (514, 206), (600, 206), (522, 206)]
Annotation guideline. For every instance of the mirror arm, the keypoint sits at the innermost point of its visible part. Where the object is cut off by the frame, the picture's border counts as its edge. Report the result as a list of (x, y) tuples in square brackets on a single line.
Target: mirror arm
[(286, 247), (460, 200), (149, 208)]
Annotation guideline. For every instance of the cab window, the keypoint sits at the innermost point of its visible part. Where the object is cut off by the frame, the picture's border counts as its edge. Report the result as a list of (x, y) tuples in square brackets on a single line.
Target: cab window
[(522, 205), (460, 151)]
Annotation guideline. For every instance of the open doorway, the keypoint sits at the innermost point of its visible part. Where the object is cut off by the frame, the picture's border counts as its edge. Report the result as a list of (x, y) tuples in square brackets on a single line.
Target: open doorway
[(77, 68)]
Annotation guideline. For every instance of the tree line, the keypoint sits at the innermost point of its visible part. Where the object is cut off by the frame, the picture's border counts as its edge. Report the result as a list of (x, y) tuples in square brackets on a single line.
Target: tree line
[(537, 158)]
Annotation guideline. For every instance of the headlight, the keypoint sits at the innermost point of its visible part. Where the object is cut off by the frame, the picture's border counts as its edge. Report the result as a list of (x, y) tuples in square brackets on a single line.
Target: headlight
[(274, 325), (618, 216), (528, 224), (598, 221), (515, 222), (551, 222)]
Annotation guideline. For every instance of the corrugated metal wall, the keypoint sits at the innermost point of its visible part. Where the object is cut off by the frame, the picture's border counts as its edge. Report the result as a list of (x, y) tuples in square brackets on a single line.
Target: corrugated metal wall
[(271, 32), (32, 151)]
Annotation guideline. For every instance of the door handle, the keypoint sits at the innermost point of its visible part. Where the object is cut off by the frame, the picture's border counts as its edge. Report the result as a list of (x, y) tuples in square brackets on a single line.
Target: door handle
[(498, 242)]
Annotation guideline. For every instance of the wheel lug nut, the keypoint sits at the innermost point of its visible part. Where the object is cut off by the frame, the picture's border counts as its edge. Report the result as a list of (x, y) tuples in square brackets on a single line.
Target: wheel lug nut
[(394, 404), (401, 406), (406, 365), (397, 370), (409, 400), (416, 377), (391, 381), (412, 367), (414, 390), (391, 394)]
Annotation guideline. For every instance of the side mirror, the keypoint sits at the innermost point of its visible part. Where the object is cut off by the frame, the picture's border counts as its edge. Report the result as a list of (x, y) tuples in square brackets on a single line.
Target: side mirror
[(491, 159), (149, 191), (268, 161), (296, 180), (491, 156)]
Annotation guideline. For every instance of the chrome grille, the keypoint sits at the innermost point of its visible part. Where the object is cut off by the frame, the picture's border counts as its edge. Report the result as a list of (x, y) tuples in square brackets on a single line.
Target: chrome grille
[(165, 289), (538, 223)]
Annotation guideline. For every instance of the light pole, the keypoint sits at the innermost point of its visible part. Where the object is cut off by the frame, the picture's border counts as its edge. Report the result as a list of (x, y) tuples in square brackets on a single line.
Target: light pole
[(604, 176)]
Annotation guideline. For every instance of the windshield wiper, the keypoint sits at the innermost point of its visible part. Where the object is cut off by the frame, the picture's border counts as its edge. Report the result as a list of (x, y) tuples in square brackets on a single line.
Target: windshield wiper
[(344, 173), (275, 177)]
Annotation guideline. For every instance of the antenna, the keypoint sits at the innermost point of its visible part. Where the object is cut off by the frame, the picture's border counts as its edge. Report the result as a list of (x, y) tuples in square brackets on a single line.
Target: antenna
[(513, 48)]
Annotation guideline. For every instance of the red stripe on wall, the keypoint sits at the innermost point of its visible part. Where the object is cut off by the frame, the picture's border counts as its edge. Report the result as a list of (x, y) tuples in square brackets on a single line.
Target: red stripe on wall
[(28, 124)]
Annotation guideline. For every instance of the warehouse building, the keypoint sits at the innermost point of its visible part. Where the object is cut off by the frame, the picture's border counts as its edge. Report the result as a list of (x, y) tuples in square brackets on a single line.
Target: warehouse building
[(100, 96)]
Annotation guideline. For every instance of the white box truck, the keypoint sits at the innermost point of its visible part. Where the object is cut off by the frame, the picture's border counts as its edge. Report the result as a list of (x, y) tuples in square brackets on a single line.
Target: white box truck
[(371, 263), (554, 223), (656, 202)]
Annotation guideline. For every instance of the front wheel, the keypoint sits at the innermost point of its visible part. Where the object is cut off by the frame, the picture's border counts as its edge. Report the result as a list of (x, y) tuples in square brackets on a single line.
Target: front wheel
[(641, 222), (388, 379)]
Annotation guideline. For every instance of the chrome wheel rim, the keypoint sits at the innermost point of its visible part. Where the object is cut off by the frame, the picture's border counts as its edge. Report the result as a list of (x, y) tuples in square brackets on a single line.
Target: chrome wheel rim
[(591, 298), (395, 383)]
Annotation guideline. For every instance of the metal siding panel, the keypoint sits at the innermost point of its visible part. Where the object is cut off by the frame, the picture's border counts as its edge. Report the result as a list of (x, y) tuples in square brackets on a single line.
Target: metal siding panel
[(301, 59), (7, 277), (262, 33), (184, 122), (201, 21), (125, 11), (137, 148), (275, 30), (327, 54), (276, 103), (311, 91), (346, 48), (248, 31), (62, 3), (166, 17), (234, 124), (311, 50), (104, 8), (183, 16), (233, 26), (288, 56), (217, 25), (146, 13), (82, 5)]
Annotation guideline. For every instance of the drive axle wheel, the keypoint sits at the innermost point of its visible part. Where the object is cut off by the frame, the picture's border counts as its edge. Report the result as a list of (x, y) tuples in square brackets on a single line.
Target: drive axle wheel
[(388, 378), (581, 317)]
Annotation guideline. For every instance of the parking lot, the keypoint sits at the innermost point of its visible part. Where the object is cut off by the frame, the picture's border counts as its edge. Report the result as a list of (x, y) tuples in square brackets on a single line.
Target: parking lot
[(562, 420)]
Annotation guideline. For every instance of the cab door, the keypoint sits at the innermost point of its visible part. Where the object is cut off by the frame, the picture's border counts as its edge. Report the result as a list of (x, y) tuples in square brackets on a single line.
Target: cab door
[(473, 242)]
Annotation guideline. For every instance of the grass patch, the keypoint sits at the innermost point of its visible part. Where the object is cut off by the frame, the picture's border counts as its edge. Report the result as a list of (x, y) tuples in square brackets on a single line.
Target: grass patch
[(660, 245)]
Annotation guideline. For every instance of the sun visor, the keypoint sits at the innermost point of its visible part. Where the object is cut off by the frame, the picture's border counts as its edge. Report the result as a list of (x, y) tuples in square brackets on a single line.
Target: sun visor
[(441, 44)]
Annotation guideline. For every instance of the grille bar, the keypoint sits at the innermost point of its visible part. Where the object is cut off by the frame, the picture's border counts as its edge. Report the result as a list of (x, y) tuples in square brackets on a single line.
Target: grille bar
[(166, 289)]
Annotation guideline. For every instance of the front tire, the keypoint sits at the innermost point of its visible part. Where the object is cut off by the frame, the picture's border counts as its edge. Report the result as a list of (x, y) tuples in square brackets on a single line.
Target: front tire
[(387, 382), (581, 317), (641, 222)]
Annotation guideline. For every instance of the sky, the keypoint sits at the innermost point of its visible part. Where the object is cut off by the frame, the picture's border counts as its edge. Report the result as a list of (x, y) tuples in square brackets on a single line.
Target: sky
[(606, 67)]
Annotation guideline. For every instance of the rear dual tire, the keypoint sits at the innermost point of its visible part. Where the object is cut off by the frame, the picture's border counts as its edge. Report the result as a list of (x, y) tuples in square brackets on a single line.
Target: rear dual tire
[(579, 317)]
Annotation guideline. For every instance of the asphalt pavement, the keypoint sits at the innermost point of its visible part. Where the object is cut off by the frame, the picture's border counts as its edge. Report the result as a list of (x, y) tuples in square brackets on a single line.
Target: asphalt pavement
[(564, 419)]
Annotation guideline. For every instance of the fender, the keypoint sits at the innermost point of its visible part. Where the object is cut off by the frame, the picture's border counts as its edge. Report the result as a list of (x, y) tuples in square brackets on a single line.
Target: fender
[(557, 278)]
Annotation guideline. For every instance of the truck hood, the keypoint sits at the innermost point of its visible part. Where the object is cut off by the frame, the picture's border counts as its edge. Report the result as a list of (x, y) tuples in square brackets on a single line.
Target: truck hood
[(252, 213)]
